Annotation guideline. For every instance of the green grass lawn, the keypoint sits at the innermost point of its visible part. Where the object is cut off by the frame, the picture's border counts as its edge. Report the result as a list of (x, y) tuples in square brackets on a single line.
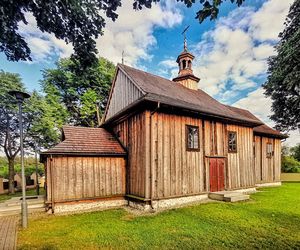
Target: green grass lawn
[(4, 197), (271, 220)]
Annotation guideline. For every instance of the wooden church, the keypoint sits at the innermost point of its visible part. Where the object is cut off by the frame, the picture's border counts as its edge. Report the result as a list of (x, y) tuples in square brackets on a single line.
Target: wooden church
[(162, 143)]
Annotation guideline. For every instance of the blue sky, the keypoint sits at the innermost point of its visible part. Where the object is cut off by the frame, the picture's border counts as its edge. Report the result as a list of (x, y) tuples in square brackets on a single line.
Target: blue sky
[(230, 53)]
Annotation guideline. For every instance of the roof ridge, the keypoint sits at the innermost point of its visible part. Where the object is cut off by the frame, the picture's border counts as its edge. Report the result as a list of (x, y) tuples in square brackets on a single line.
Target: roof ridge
[(162, 87)]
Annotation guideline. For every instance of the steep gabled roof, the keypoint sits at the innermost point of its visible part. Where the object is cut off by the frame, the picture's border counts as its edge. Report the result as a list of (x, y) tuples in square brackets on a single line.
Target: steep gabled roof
[(158, 89), (87, 141)]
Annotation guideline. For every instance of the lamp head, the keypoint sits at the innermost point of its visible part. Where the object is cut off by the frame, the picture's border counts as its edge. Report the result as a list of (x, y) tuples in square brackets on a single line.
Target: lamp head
[(19, 95)]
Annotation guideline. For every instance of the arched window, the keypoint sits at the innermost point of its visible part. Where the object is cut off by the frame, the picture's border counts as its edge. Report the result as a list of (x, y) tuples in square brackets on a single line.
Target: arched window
[(189, 64), (183, 64)]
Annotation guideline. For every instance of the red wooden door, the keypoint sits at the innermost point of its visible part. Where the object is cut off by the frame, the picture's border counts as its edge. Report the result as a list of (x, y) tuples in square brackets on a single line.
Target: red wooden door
[(216, 174)]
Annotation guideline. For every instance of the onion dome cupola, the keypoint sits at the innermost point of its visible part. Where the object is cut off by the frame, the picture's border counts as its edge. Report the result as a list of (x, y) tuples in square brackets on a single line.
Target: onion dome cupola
[(185, 74)]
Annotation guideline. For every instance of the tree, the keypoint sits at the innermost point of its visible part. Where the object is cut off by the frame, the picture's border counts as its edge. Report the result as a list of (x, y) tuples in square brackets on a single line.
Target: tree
[(47, 117), (295, 152), (78, 22), (40, 127), (83, 93), (9, 122), (283, 83)]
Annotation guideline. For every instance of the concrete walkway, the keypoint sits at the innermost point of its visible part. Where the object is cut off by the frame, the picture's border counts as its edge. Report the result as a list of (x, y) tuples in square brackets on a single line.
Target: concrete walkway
[(13, 205), (8, 232)]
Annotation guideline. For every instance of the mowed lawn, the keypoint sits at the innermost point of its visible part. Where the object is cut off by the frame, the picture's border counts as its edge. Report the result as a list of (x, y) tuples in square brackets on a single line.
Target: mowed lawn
[(271, 220), (5, 197)]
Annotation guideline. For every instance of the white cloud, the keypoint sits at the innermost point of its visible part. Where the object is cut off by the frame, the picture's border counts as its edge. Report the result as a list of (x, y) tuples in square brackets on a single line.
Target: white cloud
[(168, 67), (260, 106), (268, 21), (42, 45), (231, 57), (131, 32)]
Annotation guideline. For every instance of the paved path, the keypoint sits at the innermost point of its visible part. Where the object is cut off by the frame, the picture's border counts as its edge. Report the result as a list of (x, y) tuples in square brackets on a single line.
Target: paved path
[(8, 232)]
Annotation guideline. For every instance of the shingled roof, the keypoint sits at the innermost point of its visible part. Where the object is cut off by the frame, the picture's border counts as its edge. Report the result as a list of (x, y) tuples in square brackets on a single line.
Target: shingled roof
[(158, 89), (262, 129), (267, 131), (87, 141)]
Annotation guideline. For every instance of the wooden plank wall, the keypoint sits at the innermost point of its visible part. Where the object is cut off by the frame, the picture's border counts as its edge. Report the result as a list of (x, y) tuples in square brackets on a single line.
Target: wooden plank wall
[(277, 159), (133, 135), (175, 171), (257, 159), (76, 178), (267, 169), (241, 172), (214, 138), (123, 94)]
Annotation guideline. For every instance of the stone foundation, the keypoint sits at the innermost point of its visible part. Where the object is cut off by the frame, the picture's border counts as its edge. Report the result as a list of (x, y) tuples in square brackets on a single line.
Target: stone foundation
[(269, 184), (156, 205), (246, 190), (168, 203), (81, 206)]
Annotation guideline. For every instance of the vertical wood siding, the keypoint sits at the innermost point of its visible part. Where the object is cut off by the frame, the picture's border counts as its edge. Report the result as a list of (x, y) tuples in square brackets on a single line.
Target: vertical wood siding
[(159, 164), (267, 169), (241, 172), (133, 134), (176, 171), (123, 94), (76, 178)]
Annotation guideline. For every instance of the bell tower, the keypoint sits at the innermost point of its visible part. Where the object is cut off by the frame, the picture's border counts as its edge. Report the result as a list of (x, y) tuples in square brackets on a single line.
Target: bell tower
[(185, 74)]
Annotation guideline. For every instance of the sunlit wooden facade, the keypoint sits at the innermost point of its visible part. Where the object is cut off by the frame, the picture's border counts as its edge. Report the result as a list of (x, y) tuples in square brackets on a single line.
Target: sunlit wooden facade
[(163, 139)]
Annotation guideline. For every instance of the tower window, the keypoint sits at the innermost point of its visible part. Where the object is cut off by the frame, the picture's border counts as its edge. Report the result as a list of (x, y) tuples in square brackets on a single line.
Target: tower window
[(192, 138), (184, 64), (189, 64)]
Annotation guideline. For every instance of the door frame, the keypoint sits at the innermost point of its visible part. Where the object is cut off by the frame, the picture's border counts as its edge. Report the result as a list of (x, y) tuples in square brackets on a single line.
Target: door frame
[(224, 171)]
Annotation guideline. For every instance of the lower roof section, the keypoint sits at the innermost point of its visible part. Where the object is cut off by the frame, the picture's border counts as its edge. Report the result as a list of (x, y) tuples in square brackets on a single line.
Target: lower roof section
[(87, 142)]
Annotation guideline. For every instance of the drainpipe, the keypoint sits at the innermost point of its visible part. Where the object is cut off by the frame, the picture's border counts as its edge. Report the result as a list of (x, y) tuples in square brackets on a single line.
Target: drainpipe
[(52, 184), (151, 167)]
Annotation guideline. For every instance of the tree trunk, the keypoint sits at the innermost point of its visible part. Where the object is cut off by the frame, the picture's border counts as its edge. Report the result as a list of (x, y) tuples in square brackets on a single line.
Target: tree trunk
[(11, 175)]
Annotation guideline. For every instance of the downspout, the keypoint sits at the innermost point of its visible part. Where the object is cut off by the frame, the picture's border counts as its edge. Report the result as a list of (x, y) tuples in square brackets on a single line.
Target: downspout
[(151, 167), (52, 184)]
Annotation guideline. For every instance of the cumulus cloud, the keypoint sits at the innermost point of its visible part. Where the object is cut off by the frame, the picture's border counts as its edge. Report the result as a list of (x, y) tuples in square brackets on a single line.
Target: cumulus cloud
[(268, 21), (260, 106), (42, 45), (232, 56), (132, 33), (235, 53)]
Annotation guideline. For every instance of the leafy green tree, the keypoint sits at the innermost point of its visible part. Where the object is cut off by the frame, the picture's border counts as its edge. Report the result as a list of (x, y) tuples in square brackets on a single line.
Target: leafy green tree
[(9, 126), (41, 122), (283, 84), (83, 93), (47, 118), (78, 22), (290, 165), (295, 152)]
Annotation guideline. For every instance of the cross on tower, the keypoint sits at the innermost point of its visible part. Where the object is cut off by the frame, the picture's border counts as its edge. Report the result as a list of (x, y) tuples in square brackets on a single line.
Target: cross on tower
[(184, 35), (123, 57)]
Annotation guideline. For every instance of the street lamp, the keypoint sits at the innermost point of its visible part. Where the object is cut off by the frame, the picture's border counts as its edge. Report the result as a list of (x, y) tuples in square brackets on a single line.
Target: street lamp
[(21, 96), (36, 169)]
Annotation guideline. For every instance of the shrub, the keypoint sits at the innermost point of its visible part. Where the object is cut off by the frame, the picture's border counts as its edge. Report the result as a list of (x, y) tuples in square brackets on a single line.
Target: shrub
[(290, 165)]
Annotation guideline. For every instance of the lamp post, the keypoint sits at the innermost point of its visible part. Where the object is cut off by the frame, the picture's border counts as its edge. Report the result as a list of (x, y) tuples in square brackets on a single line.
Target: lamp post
[(21, 96), (36, 170)]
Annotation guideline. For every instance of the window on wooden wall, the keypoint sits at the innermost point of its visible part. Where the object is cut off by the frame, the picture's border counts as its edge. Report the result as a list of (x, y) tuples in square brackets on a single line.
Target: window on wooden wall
[(232, 142), (192, 138), (269, 150)]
